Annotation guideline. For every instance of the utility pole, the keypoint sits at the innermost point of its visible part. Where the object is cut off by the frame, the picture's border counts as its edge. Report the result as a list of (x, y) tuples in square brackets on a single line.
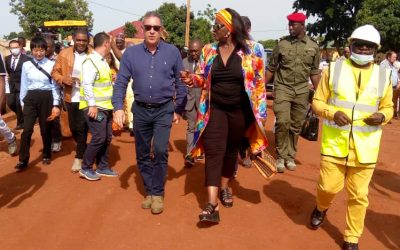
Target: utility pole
[(187, 23)]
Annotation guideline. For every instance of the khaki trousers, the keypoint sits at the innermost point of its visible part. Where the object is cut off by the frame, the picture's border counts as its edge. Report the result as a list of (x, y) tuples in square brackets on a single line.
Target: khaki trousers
[(290, 112)]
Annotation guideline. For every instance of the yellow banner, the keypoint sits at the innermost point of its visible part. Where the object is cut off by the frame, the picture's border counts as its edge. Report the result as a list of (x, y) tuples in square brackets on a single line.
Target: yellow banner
[(64, 23)]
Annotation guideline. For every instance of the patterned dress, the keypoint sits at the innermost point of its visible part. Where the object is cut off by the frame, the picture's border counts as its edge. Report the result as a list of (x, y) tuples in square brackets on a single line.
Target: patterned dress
[(254, 83)]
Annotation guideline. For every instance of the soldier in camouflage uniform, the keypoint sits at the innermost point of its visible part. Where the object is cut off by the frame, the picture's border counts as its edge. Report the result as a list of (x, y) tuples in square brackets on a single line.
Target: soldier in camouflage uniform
[(295, 60)]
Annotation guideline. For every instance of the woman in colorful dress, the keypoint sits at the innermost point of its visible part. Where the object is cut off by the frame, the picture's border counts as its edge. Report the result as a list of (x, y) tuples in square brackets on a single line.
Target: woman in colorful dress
[(232, 106)]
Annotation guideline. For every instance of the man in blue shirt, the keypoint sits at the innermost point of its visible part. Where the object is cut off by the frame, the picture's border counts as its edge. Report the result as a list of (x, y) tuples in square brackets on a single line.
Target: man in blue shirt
[(160, 98)]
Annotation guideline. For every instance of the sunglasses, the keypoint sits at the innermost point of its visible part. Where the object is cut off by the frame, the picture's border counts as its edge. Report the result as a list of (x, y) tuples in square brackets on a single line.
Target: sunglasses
[(217, 26), (360, 44), (156, 28)]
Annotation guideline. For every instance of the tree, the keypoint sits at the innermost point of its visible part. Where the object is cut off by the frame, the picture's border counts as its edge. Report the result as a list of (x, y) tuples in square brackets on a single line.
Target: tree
[(269, 44), (33, 13), (174, 19), (13, 35), (336, 19), (200, 28), (385, 17), (129, 30), (208, 13)]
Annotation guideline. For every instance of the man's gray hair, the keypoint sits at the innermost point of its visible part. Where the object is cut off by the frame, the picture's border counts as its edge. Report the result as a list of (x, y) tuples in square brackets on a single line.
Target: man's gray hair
[(153, 14)]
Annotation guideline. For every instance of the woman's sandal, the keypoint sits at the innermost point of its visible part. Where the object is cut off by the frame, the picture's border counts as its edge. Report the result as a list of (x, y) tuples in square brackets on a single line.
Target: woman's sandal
[(209, 214), (225, 195)]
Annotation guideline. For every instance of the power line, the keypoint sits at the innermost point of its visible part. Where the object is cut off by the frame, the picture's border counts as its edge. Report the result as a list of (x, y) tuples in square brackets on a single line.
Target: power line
[(115, 9)]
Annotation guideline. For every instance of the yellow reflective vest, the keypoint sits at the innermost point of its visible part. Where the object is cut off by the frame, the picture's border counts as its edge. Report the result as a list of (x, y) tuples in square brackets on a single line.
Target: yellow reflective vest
[(102, 87), (357, 106)]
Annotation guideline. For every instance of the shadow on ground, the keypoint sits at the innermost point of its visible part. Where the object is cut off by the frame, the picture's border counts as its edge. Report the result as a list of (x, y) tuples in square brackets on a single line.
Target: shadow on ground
[(385, 228), (298, 205), (17, 187), (387, 180)]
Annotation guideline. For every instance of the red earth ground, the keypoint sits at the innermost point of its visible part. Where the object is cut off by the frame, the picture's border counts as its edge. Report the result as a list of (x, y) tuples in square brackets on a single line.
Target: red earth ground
[(48, 207)]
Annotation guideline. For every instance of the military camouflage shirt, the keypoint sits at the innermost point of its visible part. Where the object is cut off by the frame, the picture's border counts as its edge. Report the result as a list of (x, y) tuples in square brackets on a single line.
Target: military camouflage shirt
[(293, 61)]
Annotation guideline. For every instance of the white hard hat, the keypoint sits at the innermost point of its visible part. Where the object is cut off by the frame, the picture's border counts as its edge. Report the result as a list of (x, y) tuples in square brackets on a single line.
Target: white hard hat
[(367, 33)]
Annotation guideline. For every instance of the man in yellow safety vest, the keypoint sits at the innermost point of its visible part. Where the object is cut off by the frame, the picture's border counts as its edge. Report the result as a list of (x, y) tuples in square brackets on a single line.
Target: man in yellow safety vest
[(354, 98), (95, 95)]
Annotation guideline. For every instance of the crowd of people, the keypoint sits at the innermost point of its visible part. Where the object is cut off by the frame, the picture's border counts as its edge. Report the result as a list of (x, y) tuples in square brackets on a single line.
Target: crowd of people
[(220, 90)]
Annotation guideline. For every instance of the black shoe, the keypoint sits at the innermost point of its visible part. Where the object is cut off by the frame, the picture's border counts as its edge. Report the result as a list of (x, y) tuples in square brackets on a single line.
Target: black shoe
[(21, 166), (317, 218), (46, 161), (349, 246), (209, 214), (225, 195), (189, 162)]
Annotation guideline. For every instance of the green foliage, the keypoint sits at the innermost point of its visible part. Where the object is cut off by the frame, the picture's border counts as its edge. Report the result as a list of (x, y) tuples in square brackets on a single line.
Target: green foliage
[(33, 13), (200, 28), (13, 35), (129, 30), (208, 13), (336, 19), (269, 44), (384, 15), (174, 19)]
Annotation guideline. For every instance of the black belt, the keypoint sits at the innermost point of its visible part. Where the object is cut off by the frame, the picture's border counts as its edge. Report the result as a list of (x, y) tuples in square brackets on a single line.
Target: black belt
[(150, 105)]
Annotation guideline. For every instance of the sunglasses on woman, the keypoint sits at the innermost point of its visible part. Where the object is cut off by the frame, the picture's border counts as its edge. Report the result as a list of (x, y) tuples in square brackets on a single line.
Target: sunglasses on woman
[(156, 28), (217, 26)]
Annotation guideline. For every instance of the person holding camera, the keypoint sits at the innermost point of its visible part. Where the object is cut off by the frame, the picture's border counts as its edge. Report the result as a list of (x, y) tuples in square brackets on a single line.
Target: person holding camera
[(95, 94)]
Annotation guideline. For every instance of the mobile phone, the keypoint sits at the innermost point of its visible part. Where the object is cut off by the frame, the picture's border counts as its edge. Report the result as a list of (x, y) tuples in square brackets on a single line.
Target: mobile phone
[(100, 117)]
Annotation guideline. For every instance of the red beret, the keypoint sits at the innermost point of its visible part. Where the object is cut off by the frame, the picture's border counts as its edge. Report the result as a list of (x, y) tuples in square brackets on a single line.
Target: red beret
[(297, 17)]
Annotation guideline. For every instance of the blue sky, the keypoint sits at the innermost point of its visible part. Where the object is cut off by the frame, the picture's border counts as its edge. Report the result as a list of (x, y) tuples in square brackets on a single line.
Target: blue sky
[(268, 17)]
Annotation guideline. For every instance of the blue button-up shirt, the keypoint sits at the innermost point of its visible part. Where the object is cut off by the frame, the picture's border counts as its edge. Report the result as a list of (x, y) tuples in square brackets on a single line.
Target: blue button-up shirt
[(156, 77), (34, 79)]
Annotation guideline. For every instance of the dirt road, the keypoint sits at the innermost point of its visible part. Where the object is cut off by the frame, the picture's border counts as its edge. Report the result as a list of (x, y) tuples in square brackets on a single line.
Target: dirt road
[(48, 207)]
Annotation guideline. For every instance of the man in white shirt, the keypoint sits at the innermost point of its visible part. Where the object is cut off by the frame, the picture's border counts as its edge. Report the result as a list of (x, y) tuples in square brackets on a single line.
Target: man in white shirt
[(389, 63), (67, 72)]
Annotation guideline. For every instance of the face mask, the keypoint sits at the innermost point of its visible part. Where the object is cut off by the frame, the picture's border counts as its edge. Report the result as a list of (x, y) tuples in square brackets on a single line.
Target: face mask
[(361, 59), (15, 51)]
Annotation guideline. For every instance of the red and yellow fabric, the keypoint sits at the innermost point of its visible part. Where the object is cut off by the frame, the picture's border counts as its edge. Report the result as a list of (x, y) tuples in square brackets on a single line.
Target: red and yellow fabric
[(223, 16)]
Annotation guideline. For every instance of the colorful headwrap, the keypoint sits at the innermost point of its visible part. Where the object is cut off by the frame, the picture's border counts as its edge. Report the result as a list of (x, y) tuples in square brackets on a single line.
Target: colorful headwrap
[(225, 17)]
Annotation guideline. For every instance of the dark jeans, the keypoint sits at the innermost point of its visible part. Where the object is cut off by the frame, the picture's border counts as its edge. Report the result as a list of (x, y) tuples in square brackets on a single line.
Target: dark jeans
[(148, 124), (78, 126), (222, 139), (14, 104), (98, 147), (37, 104)]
